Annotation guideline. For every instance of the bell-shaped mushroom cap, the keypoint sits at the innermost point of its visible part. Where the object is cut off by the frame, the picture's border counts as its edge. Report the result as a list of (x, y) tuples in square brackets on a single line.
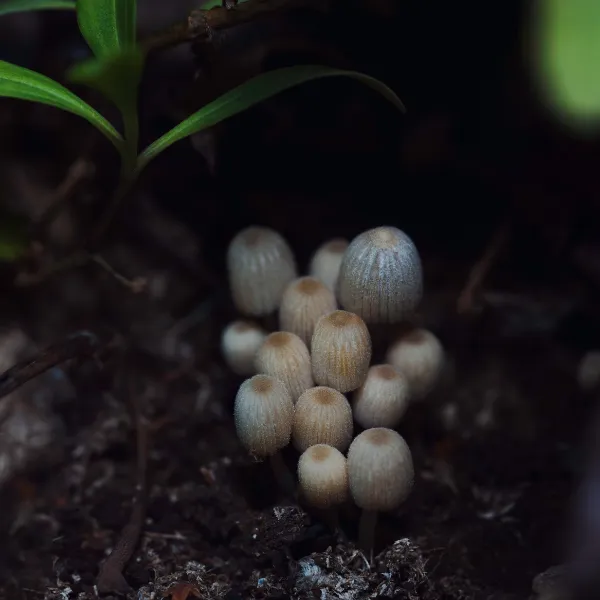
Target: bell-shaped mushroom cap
[(322, 416), (382, 399), (341, 351), (260, 265), (305, 301), (326, 261), (420, 356), (285, 356), (381, 277), (380, 469), (240, 342), (323, 476), (263, 415)]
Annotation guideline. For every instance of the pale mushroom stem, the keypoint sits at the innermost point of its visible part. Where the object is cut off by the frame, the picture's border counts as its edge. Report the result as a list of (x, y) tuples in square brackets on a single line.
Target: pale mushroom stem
[(366, 531), (283, 476)]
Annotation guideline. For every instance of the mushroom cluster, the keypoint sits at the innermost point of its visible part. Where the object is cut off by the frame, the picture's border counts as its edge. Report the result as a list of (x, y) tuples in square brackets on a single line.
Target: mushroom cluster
[(312, 380)]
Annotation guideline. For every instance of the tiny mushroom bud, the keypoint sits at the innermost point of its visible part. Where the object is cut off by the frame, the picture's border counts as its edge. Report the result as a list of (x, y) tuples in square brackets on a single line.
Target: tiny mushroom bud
[(285, 356), (322, 416), (341, 351), (380, 277), (263, 415), (240, 342), (260, 265), (382, 399), (420, 356), (326, 261), (304, 302), (323, 476), (380, 475)]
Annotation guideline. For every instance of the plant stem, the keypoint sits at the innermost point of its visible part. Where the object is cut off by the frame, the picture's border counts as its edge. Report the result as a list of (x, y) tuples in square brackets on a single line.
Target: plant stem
[(366, 531), (282, 474)]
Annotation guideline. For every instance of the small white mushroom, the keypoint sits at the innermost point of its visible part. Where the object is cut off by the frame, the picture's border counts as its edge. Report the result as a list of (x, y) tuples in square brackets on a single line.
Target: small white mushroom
[(240, 342)]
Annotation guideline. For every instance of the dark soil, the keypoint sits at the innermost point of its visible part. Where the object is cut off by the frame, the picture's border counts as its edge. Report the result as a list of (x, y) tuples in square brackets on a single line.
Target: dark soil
[(498, 448)]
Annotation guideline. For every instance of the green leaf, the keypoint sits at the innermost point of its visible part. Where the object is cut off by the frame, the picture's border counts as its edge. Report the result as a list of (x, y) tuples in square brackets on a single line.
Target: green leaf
[(21, 83), (250, 93), (108, 26), (115, 76), (14, 239), (13, 6), (212, 3), (567, 37)]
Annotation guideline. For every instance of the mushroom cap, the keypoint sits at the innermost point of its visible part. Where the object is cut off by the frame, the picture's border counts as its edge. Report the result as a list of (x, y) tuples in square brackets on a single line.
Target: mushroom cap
[(380, 469), (285, 356), (322, 416), (240, 342), (382, 399), (305, 300), (341, 351), (420, 356), (263, 415), (260, 264), (381, 278), (323, 476), (325, 262)]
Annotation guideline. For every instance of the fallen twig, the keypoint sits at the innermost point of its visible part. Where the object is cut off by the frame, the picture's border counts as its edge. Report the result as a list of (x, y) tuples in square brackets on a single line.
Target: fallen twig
[(110, 578), (201, 24), (481, 268), (79, 345)]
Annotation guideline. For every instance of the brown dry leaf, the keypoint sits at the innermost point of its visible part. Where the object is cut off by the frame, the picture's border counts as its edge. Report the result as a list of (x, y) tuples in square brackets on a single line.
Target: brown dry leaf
[(182, 591)]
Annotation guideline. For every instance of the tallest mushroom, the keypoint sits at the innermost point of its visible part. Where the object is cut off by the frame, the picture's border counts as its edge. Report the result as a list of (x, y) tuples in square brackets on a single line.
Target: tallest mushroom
[(380, 278)]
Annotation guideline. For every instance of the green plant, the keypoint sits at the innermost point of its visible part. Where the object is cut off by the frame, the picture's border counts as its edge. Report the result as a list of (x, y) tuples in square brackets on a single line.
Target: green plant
[(566, 51), (115, 70)]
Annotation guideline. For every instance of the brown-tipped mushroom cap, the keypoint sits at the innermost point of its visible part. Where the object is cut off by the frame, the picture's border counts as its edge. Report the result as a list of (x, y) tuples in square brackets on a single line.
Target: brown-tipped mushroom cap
[(341, 351), (380, 277), (380, 469), (323, 476), (285, 356), (240, 342), (326, 261), (263, 414), (382, 399), (304, 302), (260, 265), (322, 416), (420, 356)]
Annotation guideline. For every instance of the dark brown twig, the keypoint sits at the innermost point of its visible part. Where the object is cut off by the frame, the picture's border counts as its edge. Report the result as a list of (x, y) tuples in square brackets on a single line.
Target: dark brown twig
[(110, 578), (481, 268), (201, 24), (79, 345)]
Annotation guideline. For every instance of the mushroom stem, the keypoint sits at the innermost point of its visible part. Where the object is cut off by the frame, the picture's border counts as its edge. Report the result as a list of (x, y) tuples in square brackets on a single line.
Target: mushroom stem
[(283, 476), (366, 531)]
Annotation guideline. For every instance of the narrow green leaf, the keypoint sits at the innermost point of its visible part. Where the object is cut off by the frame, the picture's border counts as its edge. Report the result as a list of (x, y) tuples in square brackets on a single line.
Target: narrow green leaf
[(21, 83), (13, 6), (108, 26), (212, 3), (250, 93), (567, 38), (13, 237), (115, 76)]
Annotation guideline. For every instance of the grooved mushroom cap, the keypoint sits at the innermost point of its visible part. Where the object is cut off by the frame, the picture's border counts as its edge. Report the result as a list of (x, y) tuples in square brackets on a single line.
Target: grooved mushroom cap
[(285, 356), (240, 342), (380, 277), (382, 399), (341, 351), (380, 469), (322, 416), (420, 356), (304, 302), (323, 476), (263, 415), (260, 265), (326, 261)]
